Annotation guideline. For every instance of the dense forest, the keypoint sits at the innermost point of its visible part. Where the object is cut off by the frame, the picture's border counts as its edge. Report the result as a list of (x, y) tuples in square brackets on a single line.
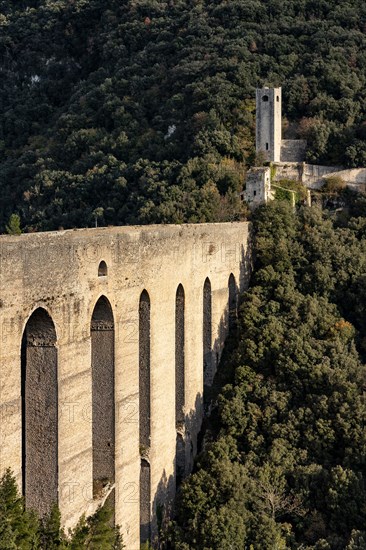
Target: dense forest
[(142, 111), (283, 465)]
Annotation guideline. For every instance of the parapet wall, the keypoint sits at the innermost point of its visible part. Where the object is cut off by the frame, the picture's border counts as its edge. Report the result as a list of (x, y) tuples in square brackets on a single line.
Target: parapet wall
[(314, 176), (58, 272)]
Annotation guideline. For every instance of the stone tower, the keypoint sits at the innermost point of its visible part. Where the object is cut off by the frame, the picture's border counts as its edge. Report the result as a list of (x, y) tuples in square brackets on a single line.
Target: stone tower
[(268, 123)]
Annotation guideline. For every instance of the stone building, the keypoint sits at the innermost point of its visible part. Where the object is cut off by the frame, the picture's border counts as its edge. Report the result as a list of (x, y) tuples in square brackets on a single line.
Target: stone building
[(287, 156), (269, 129), (258, 186), (269, 123)]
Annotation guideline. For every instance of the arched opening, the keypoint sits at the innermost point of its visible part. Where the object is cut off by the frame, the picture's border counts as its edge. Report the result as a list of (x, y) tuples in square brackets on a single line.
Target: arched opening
[(144, 369), (144, 414), (267, 146), (233, 301), (179, 382), (145, 498), (265, 98), (179, 357), (103, 408), (39, 412), (180, 459), (102, 269), (207, 338)]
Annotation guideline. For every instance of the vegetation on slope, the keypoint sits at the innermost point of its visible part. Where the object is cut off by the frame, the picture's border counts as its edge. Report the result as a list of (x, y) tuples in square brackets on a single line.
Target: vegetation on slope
[(285, 464), (143, 111), (22, 529)]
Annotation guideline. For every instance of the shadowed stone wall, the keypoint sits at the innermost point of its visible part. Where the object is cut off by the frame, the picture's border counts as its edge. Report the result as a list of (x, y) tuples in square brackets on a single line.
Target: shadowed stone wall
[(180, 455), (179, 357), (180, 459), (207, 335), (233, 301), (293, 150), (40, 415), (145, 500), (102, 365), (144, 372), (144, 417)]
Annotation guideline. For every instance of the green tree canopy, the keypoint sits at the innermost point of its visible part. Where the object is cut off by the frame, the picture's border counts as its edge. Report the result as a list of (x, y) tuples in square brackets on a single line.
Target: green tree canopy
[(283, 459)]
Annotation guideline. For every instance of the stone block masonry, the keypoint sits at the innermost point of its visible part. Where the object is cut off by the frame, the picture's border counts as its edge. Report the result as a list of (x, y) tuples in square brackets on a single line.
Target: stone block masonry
[(85, 346)]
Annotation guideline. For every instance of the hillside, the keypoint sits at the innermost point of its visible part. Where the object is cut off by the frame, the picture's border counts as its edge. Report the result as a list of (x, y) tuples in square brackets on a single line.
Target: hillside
[(142, 111), (283, 465)]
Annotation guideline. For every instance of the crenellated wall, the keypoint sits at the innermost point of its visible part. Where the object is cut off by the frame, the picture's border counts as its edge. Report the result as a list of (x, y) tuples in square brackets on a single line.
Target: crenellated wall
[(55, 276)]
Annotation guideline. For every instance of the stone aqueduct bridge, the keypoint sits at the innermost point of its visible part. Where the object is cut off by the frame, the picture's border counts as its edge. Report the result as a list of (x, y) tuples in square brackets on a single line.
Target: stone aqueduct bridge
[(108, 340)]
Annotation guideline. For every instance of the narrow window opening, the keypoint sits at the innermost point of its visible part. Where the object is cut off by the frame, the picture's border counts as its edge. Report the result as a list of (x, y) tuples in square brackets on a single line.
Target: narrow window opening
[(102, 269), (267, 146), (255, 193)]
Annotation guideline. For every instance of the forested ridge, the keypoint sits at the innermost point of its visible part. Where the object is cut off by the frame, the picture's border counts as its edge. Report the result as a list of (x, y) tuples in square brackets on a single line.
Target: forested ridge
[(283, 465), (143, 111)]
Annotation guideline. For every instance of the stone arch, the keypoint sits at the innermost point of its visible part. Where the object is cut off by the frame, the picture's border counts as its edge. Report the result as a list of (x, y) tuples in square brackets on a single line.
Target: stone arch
[(39, 389), (145, 500), (103, 396), (233, 301), (144, 415), (144, 369), (180, 382), (207, 337), (102, 269), (180, 459), (179, 356)]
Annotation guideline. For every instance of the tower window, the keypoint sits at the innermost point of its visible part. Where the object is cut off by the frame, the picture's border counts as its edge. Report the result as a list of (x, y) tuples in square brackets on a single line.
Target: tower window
[(265, 98), (254, 193), (267, 147), (278, 98)]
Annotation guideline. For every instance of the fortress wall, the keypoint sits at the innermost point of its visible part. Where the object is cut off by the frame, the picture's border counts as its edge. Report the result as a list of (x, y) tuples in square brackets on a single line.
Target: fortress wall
[(59, 272), (314, 176), (311, 175), (354, 176), (288, 170)]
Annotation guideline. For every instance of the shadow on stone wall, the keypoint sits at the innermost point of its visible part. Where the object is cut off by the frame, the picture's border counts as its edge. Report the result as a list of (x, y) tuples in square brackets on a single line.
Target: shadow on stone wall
[(195, 424), (163, 500)]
